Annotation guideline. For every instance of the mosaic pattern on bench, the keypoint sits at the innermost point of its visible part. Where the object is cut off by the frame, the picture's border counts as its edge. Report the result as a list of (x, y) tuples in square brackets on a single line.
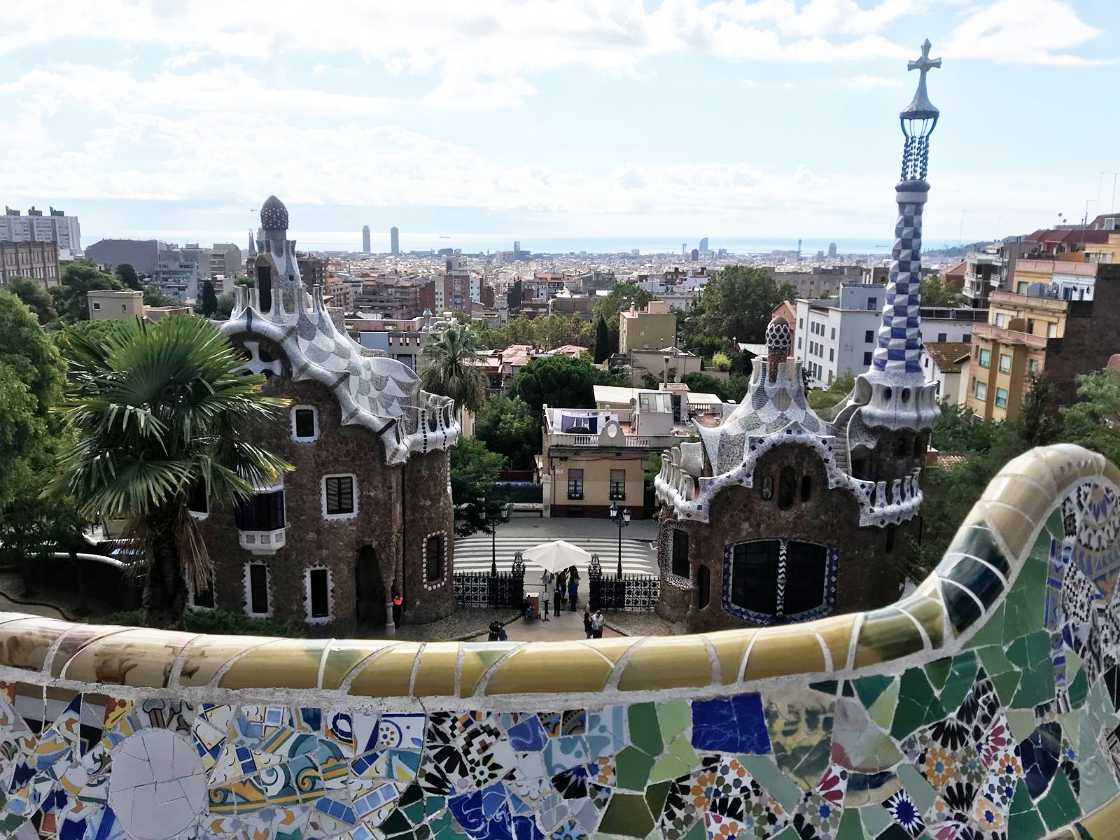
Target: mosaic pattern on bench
[(1015, 735)]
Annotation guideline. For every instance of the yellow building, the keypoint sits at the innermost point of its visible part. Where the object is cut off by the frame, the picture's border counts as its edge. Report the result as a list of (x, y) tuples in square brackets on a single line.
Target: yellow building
[(109, 305), (651, 328)]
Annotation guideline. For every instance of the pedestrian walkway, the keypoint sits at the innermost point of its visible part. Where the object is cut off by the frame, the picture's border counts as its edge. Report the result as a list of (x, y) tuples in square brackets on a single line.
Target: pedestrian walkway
[(568, 625), (473, 554)]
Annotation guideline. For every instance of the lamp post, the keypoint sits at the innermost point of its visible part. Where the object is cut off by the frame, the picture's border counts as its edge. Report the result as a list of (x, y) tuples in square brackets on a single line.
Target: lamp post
[(621, 516)]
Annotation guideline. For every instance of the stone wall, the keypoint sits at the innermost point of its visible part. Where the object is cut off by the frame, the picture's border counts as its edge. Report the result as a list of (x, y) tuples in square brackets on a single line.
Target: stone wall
[(868, 574), (1090, 335), (983, 705)]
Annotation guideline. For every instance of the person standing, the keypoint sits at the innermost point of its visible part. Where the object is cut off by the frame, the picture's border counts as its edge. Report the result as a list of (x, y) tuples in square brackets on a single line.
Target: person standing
[(588, 624), (547, 581), (573, 589), (558, 594), (597, 624), (398, 607)]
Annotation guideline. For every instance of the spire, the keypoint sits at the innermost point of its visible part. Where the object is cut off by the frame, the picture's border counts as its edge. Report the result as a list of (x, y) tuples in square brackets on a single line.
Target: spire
[(252, 245)]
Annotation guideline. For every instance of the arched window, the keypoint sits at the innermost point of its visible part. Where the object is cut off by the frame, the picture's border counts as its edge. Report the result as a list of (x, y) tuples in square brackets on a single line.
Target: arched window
[(264, 287), (433, 557), (889, 546), (806, 487), (779, 581), (787, 487), (703, 586), (680, 553)]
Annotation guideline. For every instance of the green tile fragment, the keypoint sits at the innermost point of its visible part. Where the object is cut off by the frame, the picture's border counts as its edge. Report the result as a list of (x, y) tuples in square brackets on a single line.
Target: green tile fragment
[(1006, 686), (1026, 826), (851, 828), (1030, 651), (894, 832), (829, 687), (938, 671), (918, 788), (674, 717), (1059, 806), (656, 796), (869, 688), (1022, 723), (1078, 689), (875, 818), (992, 631), (680, 758), (632, 767), (882, 710), (771, 777), (627, 814), (1021, 802), (645, 733), (787, 834), (1023, 607), (1098, 785), (917, 704), (696, 832), (994, 660), (1037, 686)]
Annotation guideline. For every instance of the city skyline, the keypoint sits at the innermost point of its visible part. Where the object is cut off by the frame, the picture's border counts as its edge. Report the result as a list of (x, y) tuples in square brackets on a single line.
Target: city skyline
[(756, 106)]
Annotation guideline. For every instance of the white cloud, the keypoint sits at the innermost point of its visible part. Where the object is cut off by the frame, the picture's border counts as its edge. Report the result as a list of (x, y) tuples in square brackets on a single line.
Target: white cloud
[(866, 82), (1022, 32)]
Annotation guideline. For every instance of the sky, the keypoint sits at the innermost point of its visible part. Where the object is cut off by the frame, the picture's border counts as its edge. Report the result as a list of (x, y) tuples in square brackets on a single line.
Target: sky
[(532, 118)]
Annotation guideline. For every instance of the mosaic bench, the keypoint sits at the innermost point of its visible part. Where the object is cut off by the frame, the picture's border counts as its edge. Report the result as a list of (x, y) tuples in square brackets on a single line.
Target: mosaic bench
[(983, 705)]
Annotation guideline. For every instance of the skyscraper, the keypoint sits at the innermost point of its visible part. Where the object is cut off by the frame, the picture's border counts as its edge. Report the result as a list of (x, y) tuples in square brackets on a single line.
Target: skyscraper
[(832, 249), (704, 245), (394, 241), (365, 239)]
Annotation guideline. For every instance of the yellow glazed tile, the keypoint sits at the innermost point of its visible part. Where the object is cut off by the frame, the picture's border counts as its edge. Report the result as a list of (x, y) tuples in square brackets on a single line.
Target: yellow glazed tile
[(1013, 526), (388, 674), (930, 613), (435, 675), (1035, 468), (205, 656), (1023, 495), (730, 645), (1103, 821), (24, 643), (1069, 463), (288, 663), (614, 647), (779, 651), (77, 638), (138, 657), (667, 662), (886, 634), (476, 661), (548, 668), (344, 655), (837, 635)]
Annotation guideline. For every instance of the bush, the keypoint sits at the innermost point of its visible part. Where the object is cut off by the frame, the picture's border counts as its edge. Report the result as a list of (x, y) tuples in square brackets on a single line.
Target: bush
[(219, 623)]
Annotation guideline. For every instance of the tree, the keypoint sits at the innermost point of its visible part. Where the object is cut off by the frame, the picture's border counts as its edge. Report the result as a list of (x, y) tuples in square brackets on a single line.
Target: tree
[(78, 279), (34, 297), (160, 411), (1094, 420), (451, 370), (1038, 421), (154, 296), (602, 341), (225, 306), (560, 381), (738, 302), (721, 361), (825, 399), (128, 277), (208, 304), (474, 471), (935, 292), (507, 426), (702, 383)]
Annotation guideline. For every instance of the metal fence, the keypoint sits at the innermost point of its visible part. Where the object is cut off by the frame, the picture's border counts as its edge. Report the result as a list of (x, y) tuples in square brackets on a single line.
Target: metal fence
[(625, 593), (491, 589)]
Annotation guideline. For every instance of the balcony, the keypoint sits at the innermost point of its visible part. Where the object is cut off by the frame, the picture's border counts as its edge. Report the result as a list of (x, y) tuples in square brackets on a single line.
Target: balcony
[(262, 542)]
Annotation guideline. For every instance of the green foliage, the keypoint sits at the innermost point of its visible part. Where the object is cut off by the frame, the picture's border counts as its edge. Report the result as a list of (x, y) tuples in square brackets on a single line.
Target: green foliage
[(546, 332), (208, 302), (78, 279), (621, 297), (560, 381), (225, 306), (1094, 420), (721, 361), (602, 341), (35, 297), (1038, 421), (159, 410), (701, 383), (702, 345), (935, 292), (154, 297), (826, 398), (737, 303), (128, 277), (217, 622), (508, 426), (450, 368), (474, 470)]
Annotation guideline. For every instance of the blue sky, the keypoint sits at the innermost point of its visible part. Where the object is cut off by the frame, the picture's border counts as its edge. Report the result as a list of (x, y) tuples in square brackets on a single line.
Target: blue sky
[(605, 118)]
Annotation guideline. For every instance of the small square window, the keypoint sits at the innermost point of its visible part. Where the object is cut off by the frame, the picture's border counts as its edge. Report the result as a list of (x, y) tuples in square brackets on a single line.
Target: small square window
[(1001, 397), (943, 337), (980, 390), (575, 485), (867, 357), (1005, 362), (868, 336), (96, 306), (618, 485), (985, 358), (338, 495), (305, 423)]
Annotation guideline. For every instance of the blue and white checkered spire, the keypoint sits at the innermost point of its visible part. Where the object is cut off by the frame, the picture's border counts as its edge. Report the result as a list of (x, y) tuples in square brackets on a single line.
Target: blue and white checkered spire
[(899, 349)]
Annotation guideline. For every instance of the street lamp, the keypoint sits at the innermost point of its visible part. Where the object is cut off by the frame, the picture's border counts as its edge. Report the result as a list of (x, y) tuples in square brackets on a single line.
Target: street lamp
[(621, 516), (494, 513)]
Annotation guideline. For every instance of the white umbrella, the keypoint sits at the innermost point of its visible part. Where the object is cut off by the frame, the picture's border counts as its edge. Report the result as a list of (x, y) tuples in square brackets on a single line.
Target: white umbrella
[(556, 556)]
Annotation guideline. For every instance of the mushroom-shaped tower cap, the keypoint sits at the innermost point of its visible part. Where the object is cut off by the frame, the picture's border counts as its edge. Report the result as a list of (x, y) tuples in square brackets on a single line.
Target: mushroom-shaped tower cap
[(779, 339), (274, 215)]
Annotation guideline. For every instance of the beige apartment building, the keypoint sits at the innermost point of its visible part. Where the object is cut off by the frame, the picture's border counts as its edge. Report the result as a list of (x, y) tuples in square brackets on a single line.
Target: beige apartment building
[(109, 305), (651, 328)]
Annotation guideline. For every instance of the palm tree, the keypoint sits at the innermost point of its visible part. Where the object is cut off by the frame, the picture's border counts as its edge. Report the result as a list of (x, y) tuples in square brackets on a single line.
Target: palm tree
[(160, 411), (451, 370)]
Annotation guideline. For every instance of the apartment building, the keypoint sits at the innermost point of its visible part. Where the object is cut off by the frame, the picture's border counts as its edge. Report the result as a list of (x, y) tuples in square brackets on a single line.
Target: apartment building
[(651, 328), (110, 305), (1065, 321), (55, 228), (946, 364), (593, 458), (837, 336), (33, 260)]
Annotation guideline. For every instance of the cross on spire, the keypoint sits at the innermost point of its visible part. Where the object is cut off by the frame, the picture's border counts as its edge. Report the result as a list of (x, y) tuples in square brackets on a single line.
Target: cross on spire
[(925, 63), (920, 106)]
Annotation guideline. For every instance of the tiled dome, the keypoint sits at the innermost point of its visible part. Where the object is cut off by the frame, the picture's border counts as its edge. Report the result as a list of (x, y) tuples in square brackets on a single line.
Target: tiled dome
[(779, 338), (274, 215)]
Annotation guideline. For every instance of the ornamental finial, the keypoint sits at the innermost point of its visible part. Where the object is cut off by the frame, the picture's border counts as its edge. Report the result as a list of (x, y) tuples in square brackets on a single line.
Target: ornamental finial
[(920, 106)]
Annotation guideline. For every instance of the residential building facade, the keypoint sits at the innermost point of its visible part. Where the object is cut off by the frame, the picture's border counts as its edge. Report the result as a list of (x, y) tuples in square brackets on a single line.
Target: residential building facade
[(56, 227), (141, 254), (651, 328), (34, 260)]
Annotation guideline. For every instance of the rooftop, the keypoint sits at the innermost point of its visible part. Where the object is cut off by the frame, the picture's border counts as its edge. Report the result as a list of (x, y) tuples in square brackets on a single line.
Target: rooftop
[(949, 356)]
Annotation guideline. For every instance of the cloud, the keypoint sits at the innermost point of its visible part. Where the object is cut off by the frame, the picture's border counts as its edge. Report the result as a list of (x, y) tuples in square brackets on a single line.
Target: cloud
[(865, 82), (1022, 32)]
